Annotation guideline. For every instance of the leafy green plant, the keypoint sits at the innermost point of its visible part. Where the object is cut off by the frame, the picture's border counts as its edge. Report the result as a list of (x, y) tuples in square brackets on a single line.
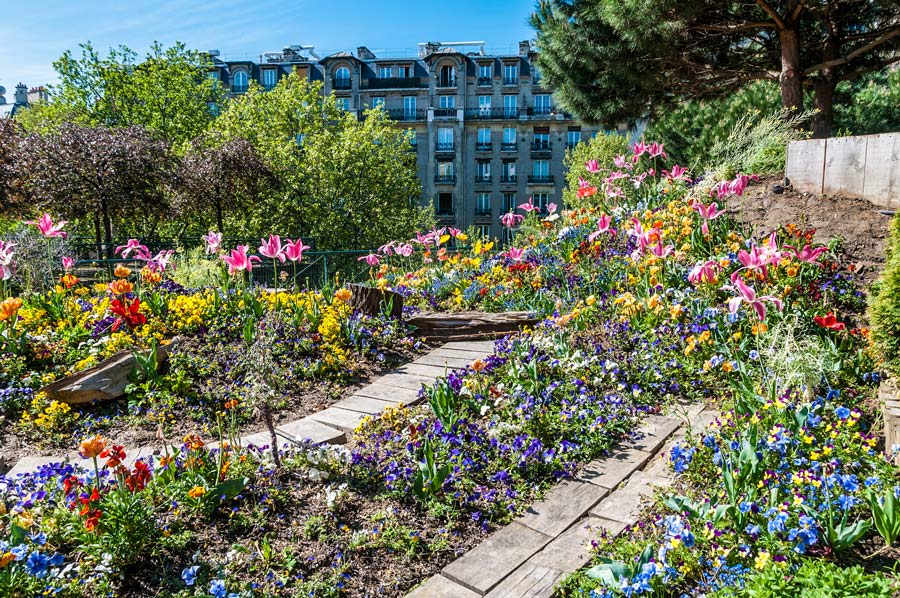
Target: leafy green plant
[(611, 573), (445, 403), (813, 579), (885, 514), (430, 477), (884, 304)]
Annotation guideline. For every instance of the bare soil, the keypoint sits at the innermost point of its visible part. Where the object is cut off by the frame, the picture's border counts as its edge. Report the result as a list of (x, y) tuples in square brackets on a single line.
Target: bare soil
[(860, 225)]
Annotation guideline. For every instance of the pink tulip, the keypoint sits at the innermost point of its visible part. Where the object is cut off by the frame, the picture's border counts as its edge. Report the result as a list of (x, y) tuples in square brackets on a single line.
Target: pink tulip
[(529, 206), (620, 161), (388, 248), (239, 261), (6, 260), (735, 187), (272, 248), (510, 220), (640, 148), (644, 238), (656, 149), (551, 208), (454, 232), (745, 294), (160, 261), (68, 263), (602, 227), (515, 254), (592, 166), (659, 251), (47, 228), (710, 212), (372, 259), (130, 247), (704, 272), (213, 242), (678, 174), (808, 254), (769, 250), (293, 250), (404, 249), (615, 175)]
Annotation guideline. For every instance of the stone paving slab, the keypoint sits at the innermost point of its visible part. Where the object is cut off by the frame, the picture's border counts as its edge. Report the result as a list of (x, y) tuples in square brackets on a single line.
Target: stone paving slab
[(407, 381), (310, 429), (610, 471), (438, 586), (565, 504), (624, 504), (429, 372), (490, 562), (443, 361), (471, 354), (652, 433), (341, 419), (392, 394), (366, 405), (29, 464), (487, 346)]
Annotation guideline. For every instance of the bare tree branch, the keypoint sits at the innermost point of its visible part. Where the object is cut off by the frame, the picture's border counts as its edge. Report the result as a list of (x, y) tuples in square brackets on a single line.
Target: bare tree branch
[(855, 53), (779, 22)]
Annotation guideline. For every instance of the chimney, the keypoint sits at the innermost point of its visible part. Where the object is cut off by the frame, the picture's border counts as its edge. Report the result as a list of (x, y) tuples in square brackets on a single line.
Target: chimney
[(38, 94), (524, 48), (430, 48), (21, 96), (363, 53)]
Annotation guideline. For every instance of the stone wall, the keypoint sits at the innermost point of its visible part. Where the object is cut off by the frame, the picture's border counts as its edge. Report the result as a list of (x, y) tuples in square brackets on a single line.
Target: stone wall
[(865, 166)]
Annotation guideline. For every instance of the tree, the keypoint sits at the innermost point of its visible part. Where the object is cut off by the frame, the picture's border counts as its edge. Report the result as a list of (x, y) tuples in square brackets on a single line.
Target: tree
[(345, 181), (615, 59), (168, 92), (100, 173), (10, 138), (217, 178)]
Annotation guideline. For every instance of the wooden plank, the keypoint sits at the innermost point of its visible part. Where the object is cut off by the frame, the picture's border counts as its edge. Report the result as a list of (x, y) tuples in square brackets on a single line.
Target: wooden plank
[(425, 371), (341, 419), (442, 361), (407, 381), (806, 165), (845, 166), (366, 405), (882, 177), (461, 353), (470, 345)]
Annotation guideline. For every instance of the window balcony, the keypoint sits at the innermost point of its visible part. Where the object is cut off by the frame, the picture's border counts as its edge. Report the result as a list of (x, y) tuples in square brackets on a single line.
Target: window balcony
[(341, 83), (394, 83), (509, 179), (483, 213), (482, 180), (445, 179), (446, 82), (492, 113), (405, 115), (445, 146), (540, 179), (510, 146), (445, 112), (485, 81), (571, 144), (542, 111), (445, 213), (483, 146), (510, 80), (238, 89), (541, 147)]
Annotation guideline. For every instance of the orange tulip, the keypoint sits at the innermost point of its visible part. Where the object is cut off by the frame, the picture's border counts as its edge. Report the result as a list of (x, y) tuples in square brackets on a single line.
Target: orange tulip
[(121, 271), (343, 294), (9, 308), (92, 447), (120, 287)]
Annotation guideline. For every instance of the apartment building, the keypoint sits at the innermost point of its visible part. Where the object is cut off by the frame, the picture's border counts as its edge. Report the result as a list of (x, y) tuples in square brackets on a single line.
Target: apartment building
[(488, 134)]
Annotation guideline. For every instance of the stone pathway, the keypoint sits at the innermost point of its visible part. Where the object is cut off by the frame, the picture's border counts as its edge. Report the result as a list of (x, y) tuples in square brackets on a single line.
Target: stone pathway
[(553, 538), (335, 424)]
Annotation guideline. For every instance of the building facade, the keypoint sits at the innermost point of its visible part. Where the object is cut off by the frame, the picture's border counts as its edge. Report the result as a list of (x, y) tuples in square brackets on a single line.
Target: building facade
[(22, 98), (488, 134)]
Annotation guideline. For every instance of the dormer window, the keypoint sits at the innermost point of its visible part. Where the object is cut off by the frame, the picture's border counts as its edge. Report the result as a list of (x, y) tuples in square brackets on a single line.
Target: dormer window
[(342, 78), (269, 78), (385, 72), (239, 82), (447, 76)]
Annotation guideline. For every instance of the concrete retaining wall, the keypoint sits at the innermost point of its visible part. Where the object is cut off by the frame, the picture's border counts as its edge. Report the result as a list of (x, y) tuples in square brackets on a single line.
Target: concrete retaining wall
[(866, 166)]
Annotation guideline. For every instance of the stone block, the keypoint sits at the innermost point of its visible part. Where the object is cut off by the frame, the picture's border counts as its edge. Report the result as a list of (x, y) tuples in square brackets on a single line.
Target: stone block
[(443, 361), (565, 504), (339, 418), (308, 429), (624, 505), (609, 471), (364, 405), (392, 394), (493, 560), (652, 433), (430, 372), (438, 586), (882, 177), (407, 381), (845, 166), (806, 165)]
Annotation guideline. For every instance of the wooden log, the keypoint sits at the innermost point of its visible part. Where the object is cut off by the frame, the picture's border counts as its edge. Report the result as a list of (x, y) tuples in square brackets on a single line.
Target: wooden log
[(461, 325), (105, 381), (371, 301)]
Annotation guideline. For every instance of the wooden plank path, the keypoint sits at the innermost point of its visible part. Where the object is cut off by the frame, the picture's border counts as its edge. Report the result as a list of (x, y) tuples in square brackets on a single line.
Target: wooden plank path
[(553, 537), (335, 424)]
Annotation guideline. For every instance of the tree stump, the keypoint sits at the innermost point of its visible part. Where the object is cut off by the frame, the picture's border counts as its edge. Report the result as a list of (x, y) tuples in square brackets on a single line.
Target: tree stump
[(372, 301)]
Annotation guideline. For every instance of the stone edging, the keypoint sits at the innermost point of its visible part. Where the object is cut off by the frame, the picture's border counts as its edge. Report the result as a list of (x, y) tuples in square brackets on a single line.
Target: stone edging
[(889, 396), (552, 538)]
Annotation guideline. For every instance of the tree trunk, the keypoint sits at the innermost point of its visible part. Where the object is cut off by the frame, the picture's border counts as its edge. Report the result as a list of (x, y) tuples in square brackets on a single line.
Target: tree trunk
[(98, 237), (824, 118), (791, 77), (107, 229), (219, 221)]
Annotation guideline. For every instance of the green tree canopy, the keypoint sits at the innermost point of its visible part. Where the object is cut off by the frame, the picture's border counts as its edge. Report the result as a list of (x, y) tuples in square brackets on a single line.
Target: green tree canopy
[(348, 182), (168, 92), (620, 59)]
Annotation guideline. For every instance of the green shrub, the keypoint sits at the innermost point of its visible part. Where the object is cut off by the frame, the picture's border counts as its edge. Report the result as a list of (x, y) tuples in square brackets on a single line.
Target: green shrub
[(814, 579), (884, 304), (757, 144), (603, 148), (196, 270)]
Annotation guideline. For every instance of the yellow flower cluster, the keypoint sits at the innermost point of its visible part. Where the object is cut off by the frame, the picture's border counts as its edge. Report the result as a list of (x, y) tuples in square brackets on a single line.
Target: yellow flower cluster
[(47, 416), (190, 312)]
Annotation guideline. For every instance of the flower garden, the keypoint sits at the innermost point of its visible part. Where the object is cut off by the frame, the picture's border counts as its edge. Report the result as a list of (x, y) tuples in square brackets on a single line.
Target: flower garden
[(651, 297)]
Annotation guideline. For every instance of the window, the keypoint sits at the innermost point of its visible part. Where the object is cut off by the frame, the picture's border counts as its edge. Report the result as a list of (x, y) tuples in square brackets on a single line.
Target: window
[(343, 103), (409, 107), (573, 137), (377, 101), (484, 230), (342, 78), (510, 74), (300, 138), (485, 74), (404, 71), (269, 78), (484, 137), (509, 202), (239, 82), (541, 138), (385, 72), (483, 204), (445, 204), (483, 171), (447, 76), (542, 103), (511, 106), (509, 137), (541, 200), (536, 77), (214, 77), (445, 139), (446, 169), (506, 235), (484, 105), (413, 138), (540, 169), (447, 102), (509, 171)]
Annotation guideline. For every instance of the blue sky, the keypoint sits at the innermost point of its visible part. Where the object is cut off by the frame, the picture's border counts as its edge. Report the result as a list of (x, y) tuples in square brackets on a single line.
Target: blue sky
[(36, 33)]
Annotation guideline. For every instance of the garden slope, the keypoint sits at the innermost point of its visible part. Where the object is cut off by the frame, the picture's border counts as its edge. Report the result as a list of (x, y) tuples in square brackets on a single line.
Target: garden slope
[(858, 222)]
